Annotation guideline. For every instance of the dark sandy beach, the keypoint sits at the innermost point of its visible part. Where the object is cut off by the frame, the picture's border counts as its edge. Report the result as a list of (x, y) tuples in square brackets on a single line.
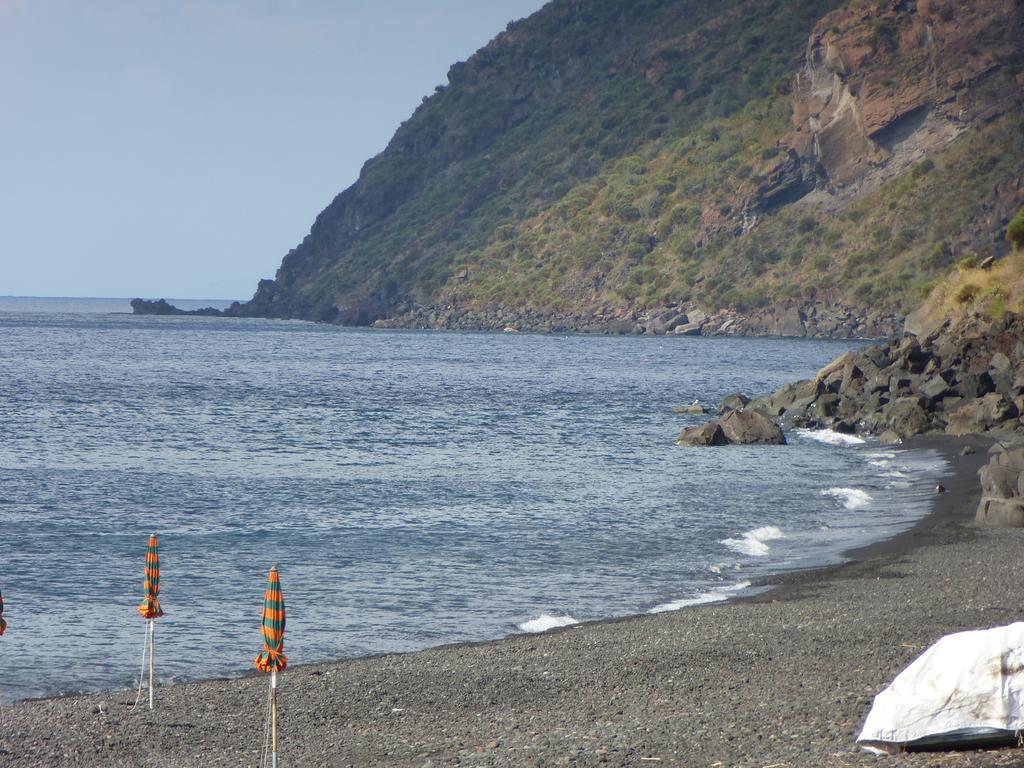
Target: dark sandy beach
[(784, 679)]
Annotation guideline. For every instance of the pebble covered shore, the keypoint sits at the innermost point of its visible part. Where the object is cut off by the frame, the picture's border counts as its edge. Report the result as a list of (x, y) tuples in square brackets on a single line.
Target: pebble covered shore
[(784, 679)]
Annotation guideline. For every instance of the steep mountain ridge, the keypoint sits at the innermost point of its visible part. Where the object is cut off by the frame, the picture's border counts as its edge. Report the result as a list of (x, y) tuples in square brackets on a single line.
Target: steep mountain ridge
[(802, 167)]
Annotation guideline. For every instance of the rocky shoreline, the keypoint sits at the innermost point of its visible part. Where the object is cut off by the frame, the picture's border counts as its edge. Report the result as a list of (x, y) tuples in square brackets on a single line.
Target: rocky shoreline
[(956, 378), (792, 319), (816, 319), (945, 378)]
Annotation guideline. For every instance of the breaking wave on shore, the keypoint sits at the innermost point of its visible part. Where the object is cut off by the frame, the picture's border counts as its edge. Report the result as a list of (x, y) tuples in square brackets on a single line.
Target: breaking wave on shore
[(851, 498), (831, 437), (714, 596), (546, 621), (755, 542)]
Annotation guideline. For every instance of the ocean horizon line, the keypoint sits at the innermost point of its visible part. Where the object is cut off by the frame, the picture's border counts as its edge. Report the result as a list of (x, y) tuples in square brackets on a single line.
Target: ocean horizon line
[(113, 298)]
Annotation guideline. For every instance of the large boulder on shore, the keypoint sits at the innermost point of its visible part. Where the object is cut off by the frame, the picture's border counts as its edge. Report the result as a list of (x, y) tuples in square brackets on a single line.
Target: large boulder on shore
[(906, 417), (1001, 513), (981, 414), (706, 434), (748, 426), (1002, 489), (1013, 458), (998, 481)]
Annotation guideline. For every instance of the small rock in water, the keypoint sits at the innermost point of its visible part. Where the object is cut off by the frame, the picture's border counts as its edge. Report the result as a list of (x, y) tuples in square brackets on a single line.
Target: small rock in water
[(967, 450), (694, 407), (940, 488)]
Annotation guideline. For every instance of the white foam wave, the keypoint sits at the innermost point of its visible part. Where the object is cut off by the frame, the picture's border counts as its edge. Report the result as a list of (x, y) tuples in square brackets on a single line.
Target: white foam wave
[(926, 466), (831, 437), (852, 498), (753, 542), (716, 596), (547, 621), (881, 455)]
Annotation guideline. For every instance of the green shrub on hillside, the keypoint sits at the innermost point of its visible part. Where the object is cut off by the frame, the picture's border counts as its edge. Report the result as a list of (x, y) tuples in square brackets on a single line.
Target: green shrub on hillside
[(1015, 232), (967, 293)]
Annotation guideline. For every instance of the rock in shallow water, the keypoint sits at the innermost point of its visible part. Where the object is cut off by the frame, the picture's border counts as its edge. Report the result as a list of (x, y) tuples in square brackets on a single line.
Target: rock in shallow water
[(706, 434), (694, 408), (740, 427), (748, 427)]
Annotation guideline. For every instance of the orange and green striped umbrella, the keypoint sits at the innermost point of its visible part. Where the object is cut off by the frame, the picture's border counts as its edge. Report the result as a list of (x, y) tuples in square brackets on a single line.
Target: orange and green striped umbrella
[(3, 624), (150, 608), (272, 658)]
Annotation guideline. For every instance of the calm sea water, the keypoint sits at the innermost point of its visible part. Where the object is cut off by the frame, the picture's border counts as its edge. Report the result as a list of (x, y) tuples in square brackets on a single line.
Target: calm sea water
[(415, 488)]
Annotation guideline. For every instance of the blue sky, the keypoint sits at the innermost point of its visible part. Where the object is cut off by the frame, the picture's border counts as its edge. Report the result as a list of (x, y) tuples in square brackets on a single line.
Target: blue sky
[(179, 148)]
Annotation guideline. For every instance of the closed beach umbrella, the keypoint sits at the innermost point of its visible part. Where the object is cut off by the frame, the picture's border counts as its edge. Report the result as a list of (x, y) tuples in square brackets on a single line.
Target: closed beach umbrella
[(150, 608), (272, 659)]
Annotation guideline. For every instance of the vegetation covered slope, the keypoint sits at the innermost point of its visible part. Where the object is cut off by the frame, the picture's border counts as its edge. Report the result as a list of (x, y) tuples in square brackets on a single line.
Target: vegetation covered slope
[(988, 288), (614, 156)]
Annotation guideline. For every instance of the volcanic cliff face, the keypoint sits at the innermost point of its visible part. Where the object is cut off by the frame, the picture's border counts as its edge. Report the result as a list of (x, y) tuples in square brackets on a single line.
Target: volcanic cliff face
[(884, 84), (602, 163)]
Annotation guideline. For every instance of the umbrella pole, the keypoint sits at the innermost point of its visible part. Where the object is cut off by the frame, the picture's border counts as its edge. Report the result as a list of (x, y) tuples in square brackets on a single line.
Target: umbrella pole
[(273, 717), (152, 632)]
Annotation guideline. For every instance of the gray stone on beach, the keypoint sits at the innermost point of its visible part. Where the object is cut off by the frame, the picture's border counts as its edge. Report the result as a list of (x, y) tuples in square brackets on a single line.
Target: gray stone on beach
[(923, 322), (976, 384), (879, 383), (935, 389), (1001, 370), (981, 414), (696, 317), (999, 481), (1002, 513), (906, 417), (1013, 457), (1002, 488)]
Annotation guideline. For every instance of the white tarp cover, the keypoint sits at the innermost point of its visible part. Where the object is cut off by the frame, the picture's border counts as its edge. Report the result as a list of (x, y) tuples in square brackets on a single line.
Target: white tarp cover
[(968, 685)]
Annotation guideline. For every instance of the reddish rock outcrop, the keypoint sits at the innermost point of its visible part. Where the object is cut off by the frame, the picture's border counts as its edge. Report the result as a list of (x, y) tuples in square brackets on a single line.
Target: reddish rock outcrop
[(884, 83)]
